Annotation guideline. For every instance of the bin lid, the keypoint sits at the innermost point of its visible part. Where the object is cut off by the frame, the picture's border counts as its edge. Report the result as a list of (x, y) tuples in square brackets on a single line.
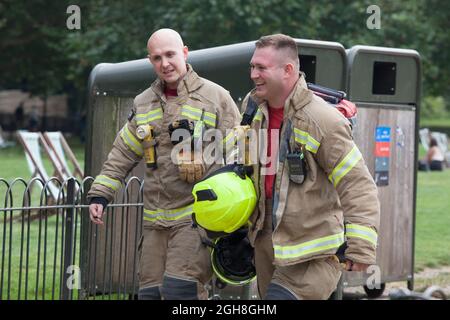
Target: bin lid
[(327, 59), (380, 74), (226, 65)]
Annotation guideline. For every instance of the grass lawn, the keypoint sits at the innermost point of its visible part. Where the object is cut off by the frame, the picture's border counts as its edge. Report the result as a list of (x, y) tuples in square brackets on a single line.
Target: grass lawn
[(22, 271), (32, 269), (441, 122), (433, 219), (14, 165)]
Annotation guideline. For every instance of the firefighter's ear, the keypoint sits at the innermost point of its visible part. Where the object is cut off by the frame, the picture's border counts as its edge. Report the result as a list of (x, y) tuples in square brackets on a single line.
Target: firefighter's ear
[(289, 69), (185, 52)]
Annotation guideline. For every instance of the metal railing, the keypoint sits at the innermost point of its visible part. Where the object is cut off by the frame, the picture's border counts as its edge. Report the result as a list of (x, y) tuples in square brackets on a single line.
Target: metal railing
[(50, 250)]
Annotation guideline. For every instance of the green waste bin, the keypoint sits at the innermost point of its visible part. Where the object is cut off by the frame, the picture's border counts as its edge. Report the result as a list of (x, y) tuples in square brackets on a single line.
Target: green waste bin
[(385, 84)]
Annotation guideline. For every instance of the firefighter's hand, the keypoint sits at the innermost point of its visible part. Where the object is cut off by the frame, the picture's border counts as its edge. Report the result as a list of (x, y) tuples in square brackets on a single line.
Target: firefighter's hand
[(355, 266), (96, 213), (191, 168)]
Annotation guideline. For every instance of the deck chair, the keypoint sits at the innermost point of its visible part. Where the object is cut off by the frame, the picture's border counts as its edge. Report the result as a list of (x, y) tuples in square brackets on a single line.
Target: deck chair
[(58, 149), (3, 142), (32, 143), (424, 135), (441, 138)]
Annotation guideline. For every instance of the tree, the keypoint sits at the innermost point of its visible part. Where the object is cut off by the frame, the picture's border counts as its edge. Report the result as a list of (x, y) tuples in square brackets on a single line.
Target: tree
[(38, 52), (31, 56)]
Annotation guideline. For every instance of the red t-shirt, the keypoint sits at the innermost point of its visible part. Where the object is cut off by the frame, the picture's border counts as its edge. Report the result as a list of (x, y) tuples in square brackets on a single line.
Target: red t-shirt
[(170, 92), (275, 120)]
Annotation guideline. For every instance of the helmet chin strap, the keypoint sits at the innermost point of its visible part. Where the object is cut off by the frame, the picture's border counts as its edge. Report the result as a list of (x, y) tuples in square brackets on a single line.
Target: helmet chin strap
[(243, 171)]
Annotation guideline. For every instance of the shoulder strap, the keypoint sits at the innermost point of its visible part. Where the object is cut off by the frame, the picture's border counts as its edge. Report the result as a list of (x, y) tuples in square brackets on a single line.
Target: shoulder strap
[(250, 112)]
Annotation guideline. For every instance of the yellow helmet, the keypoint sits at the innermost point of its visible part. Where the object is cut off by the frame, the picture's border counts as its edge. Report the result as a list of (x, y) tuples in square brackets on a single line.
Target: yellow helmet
[(224, 200)]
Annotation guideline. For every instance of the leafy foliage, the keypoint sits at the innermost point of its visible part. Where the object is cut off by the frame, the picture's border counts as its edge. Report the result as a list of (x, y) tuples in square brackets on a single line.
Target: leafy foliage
[(38, 53), (433, 108)]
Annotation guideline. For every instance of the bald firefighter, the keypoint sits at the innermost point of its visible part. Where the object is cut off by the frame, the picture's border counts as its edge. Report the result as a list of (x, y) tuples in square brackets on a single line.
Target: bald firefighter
[(174, 264)]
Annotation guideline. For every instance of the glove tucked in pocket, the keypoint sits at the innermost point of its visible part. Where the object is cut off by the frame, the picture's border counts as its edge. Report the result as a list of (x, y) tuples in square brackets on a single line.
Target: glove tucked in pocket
[(191, 167)]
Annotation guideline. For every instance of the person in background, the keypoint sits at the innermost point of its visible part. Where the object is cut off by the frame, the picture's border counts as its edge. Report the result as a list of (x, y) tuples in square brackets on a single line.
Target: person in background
[(19, 116), (435, 157), (33, 119)]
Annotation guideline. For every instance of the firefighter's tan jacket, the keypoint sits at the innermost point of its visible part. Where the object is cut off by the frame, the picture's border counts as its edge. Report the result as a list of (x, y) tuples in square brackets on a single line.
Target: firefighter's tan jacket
[(309, 218), (167, 199)]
